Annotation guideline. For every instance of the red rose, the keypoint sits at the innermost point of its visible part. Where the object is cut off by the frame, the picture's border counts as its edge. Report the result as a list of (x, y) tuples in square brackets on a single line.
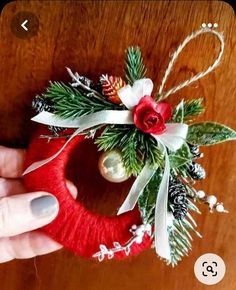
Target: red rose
[(150, 117)]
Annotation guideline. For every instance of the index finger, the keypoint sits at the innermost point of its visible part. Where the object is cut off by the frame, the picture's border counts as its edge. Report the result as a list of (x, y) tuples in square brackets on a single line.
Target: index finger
[(11, 162)]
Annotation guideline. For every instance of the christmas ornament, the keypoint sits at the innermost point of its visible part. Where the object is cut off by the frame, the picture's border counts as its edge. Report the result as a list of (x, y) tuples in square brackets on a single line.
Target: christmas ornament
[(141, 135), (111, 166)]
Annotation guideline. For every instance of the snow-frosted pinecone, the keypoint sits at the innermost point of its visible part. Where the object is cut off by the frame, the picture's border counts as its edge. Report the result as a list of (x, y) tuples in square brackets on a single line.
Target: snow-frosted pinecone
[(194, 149), (180, 211), (196, 171), (39, 104), (177, 198)]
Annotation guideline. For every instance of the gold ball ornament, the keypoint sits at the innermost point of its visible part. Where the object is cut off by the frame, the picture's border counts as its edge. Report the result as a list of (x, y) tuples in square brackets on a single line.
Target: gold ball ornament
[(111, 166)]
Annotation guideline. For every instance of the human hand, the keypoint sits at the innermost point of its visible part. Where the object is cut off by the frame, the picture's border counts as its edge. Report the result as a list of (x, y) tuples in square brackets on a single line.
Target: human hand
[(22, 213)]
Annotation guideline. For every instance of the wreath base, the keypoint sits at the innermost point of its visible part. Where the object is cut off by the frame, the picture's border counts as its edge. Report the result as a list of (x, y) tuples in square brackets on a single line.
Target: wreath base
[(76, 227)]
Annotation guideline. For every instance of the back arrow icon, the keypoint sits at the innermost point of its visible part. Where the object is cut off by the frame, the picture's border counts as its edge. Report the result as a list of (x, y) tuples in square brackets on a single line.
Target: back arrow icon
[(23, 25)]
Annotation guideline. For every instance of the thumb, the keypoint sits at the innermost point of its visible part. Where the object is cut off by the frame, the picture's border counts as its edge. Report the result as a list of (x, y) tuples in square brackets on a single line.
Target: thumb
[(26, 212)]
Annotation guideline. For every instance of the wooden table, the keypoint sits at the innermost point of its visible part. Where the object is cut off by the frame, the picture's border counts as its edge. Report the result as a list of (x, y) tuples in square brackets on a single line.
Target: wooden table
[(90, 37)]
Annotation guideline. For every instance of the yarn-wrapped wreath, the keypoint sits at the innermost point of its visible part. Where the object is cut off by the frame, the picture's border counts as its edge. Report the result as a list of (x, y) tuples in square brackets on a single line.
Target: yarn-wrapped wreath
[(141, 135), (76, 228)]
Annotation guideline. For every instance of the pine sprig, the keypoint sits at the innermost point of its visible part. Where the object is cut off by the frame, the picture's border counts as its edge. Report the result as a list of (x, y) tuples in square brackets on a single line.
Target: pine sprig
[(70, 102), (147, 199), (134, 66), (148, 147), (136, 147), (183, 171), (193, 108), (180, 238), (112, 137), (179, 230), (187, 110), (132, 161), (123, 138)]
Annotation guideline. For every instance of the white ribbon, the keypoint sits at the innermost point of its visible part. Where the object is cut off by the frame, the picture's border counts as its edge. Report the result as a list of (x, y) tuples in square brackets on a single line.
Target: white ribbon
[(172, 138), (130, 96), (87, 121), (160, 224), (82, 123)]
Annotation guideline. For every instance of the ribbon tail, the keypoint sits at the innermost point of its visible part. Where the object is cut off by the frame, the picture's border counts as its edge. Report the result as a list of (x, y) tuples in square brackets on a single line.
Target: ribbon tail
[(40, 163), (87, 121), (160, 228), (137, 188)]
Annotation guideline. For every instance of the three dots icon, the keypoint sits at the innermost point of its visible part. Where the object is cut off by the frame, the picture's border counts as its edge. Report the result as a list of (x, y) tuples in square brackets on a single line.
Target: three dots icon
[(210, 25)]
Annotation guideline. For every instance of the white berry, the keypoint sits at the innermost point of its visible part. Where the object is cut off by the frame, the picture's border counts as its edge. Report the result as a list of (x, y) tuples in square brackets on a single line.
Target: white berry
[(201, 194), (148, 227), (142, 227), (220, 208), (211, 199), (139, 232), (139, 239)]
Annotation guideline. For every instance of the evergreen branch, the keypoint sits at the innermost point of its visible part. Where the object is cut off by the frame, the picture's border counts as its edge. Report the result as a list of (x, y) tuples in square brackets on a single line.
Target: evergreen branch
[(180, 238), (136, 147), (148, 147), (123, 138), (134, 66), (132, 162), (179, 231), (183, 171), (185, 110), (147, 199), (70, 102), (112, 136), (193, 108)]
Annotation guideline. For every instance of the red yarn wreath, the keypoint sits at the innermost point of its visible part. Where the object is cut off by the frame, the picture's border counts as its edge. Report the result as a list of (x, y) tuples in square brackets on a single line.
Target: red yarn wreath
[(77, 228)]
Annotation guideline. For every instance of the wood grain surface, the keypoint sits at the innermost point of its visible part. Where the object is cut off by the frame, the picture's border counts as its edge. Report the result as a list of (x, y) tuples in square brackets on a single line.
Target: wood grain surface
[(90, 37)]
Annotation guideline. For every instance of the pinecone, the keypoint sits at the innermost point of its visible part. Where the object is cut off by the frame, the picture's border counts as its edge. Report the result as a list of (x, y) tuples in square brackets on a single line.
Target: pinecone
[(177, 197), (196, 171), (194, 149), (110, 86), (180, 212), (40, 104)]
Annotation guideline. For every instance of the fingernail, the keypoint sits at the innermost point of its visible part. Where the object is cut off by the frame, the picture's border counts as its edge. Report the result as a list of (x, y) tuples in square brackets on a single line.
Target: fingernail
[(44, 206)]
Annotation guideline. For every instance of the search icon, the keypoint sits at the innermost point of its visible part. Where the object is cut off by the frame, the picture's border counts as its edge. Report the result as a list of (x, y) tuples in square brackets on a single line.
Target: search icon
[(209, 269)]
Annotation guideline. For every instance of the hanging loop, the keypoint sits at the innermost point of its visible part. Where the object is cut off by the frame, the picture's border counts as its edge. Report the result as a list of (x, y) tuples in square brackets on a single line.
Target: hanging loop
[(220, 37)]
